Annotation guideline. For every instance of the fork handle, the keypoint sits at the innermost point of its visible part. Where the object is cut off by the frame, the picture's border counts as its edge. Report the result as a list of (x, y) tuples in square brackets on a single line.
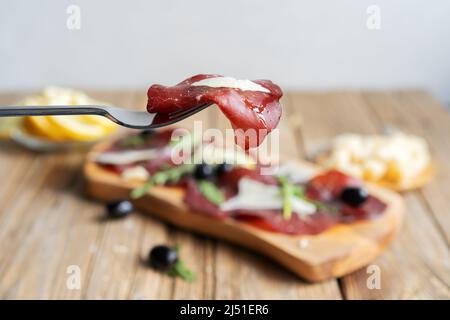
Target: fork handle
[(14, 111)]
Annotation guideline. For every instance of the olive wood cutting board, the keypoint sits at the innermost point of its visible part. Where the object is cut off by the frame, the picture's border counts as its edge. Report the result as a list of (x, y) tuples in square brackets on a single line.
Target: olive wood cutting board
[(333, 253)]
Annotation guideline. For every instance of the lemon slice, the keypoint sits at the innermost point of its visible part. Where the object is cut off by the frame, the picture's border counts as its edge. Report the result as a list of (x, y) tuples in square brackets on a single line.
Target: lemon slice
[(76, 128), (66, 128), (107, 124), (42, 127)]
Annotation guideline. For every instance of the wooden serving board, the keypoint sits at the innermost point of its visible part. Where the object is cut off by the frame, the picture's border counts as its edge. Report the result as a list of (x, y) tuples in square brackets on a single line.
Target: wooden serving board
[(333, 253)]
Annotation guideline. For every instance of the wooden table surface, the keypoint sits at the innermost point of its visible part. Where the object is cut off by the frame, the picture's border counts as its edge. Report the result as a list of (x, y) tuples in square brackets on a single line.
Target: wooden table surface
[(47, 223)]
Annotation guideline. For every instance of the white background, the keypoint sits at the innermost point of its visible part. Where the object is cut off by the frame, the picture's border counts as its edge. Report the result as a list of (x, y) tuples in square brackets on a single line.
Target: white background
[(298, 44)]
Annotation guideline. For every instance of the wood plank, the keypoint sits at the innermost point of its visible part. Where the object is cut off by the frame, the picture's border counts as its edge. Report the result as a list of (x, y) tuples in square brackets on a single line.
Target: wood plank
[(237, 268), (196, 251), (31, 233), (12, 158), (322, 116), (84, 228), (411, 269), (49, 226), (114, 248), (416, 264), (148, 283), (418, 113), (19, 170)]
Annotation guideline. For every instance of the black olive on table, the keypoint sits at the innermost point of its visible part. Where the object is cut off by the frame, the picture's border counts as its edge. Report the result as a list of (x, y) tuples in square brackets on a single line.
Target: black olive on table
[(223, 168), (203, 171), (354, 196), (162, 257), (119, 208)]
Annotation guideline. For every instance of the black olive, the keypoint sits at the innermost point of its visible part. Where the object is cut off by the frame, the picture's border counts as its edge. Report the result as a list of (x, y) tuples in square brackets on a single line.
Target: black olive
[(119, 208), (354, 196), (223, 168), (162, 257), (203, 171), (147, 133)]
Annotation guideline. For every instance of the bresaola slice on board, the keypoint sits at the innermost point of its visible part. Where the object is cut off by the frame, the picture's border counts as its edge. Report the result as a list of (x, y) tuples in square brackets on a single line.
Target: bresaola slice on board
[(252, 107), (326, 187)]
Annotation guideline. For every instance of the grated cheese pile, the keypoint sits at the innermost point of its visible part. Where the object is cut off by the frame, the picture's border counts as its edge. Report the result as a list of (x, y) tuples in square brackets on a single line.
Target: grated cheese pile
[(395, 158)]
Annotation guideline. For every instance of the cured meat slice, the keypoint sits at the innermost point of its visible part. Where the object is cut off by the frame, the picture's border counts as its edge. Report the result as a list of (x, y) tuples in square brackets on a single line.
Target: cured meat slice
[(230, 180), (329, 185), (197, 201), (147, 149), (370, 209), (272, 220), (252, 113), (325, 188)]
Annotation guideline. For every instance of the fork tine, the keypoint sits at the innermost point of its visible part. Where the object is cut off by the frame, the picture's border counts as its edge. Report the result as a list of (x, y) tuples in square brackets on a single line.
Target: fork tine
[(178, 113), (183, 112), (125, 117)]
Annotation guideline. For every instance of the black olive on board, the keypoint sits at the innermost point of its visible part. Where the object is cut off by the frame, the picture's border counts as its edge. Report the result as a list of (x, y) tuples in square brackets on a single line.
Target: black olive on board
[(354, 196)]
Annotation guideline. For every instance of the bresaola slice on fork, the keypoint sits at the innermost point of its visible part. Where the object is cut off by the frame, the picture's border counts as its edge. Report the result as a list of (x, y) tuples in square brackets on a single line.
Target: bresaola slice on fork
[(252, 107)]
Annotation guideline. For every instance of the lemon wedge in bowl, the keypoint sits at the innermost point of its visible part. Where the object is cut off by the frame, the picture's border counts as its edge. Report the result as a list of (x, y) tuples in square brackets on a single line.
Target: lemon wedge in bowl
[(53, 132), (41, 127), (76, 128)]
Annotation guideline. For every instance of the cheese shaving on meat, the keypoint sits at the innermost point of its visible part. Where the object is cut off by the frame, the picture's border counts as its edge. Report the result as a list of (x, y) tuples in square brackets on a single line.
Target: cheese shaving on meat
[(254, 195)]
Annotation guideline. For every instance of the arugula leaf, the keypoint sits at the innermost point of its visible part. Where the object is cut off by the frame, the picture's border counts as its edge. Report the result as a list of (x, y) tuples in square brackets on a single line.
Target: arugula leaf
[(211, 192), (169, 175), (298, 191), (287, 191), (133, 141), (180, 270)]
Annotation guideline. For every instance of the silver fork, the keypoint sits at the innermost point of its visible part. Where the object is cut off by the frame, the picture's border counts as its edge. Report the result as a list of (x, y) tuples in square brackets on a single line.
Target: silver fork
[(124, 117)]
